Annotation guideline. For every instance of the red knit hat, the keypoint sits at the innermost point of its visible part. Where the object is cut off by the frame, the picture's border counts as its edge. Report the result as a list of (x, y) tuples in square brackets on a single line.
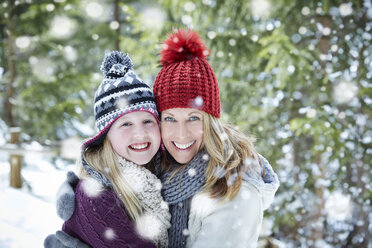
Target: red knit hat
[(186, 80)]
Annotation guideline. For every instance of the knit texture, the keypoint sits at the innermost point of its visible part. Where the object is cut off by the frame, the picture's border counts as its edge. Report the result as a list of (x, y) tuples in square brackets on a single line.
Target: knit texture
[(152, 225), (186, 80), (155, 221), (101, 221), (121, 92), (178, 192)]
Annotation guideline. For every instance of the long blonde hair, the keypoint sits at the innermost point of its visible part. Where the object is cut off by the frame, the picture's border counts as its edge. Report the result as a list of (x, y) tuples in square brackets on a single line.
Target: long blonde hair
[(104, 159), (231, 154)]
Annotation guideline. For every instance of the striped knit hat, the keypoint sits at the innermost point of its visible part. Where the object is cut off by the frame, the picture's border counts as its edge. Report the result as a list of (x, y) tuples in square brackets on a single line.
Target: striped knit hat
[(121, 92), (186, 80)]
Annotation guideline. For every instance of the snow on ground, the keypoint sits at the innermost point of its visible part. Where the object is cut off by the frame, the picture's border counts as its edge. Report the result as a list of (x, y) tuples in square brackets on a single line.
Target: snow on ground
[(28, 216)]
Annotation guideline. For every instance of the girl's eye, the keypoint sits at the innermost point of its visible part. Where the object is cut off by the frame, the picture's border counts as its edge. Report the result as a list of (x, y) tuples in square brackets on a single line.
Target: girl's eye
[(168, 118), (148, 121), (194, 118), (125, 124)]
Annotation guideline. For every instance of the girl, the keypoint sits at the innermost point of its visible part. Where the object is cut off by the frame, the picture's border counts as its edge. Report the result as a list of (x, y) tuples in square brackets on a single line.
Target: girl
[(118, 199)]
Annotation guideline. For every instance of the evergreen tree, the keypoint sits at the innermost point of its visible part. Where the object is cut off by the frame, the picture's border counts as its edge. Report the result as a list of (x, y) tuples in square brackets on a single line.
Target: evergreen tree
[(55, 50), (294, 74)]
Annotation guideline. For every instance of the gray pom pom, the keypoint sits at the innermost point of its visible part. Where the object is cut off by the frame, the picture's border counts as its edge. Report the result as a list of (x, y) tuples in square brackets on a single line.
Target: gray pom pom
[(65, 201), (115, 57)]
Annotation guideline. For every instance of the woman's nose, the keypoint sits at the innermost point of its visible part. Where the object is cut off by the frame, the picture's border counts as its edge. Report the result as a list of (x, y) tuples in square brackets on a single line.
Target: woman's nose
[(182, 130)]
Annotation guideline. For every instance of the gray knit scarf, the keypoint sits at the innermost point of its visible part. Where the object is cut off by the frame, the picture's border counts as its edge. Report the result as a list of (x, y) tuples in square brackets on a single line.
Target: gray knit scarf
[(178, 192)]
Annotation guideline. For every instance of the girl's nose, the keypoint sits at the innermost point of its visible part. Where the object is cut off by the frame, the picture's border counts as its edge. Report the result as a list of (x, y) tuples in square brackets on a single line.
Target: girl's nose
[(139, 131)]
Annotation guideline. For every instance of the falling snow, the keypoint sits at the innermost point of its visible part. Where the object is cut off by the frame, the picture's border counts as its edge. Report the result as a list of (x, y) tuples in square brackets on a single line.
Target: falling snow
[(186, 232), (345, 92), (148, 226), (338, 129), (92, 187), (109, 234), (94, 10), (338, 206), (205, 157), (192, 172), (245, 194), (62, 27), (122, 102), (197, 102), (164, 205)]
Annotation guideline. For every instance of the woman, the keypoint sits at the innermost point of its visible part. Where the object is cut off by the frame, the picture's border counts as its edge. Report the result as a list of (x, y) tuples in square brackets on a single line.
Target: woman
[(216, 185)]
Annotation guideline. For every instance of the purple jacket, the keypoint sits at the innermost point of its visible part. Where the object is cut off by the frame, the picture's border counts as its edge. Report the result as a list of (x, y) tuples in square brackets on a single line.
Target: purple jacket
[(103, 222)]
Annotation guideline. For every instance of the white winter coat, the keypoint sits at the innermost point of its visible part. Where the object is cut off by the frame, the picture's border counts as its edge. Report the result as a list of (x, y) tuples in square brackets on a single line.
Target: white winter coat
[(237, 224)]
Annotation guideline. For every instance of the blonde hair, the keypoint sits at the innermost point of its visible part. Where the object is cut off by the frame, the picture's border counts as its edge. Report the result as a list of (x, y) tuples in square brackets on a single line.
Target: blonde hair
[(230, 152), (104, 159)]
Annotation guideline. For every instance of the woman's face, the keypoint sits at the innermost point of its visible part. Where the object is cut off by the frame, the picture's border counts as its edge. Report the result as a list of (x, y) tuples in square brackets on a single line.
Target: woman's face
[(182, 132), (135, 137)]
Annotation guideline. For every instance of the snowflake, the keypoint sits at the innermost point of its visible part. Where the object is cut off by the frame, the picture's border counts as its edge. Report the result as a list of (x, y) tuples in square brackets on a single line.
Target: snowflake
[(338, 206), (122, 103), (345, 9), (92, 187), (148, 226), (245, 195), (205, 157), (164, 205), (109, 234), (192, 172), (158, 185), (345, 92), (135, 182), (186, 232), (198, 101)]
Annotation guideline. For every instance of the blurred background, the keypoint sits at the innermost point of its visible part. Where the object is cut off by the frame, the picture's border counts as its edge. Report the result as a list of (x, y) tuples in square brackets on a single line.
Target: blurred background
[(296, 75)]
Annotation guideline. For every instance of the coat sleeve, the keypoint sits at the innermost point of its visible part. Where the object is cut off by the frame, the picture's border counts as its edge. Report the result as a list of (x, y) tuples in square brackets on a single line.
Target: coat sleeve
[(233, 224), (102, 222)]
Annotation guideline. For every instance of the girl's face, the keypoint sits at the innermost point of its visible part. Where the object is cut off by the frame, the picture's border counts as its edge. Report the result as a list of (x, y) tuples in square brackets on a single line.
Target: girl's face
[(135, 137), (182, 132)]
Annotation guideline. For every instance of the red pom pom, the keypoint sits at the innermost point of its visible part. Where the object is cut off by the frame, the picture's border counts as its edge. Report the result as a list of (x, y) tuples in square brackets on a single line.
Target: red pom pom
[(182, 45)]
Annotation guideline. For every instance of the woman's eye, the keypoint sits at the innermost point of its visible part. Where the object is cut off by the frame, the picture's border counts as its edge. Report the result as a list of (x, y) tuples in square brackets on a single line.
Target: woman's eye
[(170, 119), (126, 124), (194, 118)]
